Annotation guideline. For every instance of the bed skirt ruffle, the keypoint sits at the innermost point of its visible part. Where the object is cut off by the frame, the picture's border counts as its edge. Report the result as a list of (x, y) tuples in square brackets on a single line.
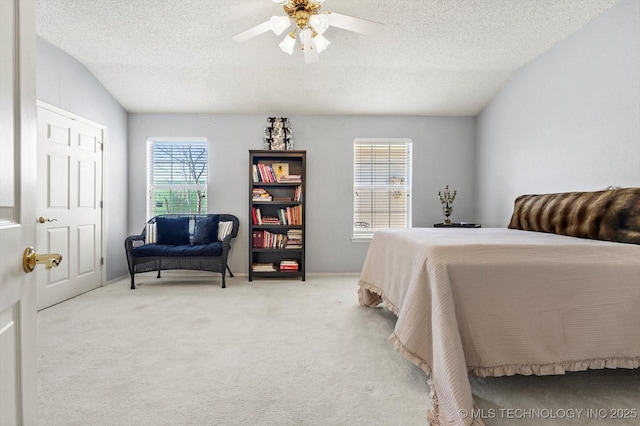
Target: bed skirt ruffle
[(553, 368)]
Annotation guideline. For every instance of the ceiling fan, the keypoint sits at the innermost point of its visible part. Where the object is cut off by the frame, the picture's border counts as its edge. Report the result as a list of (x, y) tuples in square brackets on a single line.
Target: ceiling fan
[(310, 26)]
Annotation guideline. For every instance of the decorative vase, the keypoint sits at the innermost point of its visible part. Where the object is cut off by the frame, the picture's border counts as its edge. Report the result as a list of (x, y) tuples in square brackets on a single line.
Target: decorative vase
[(446, 211), (277, 134)]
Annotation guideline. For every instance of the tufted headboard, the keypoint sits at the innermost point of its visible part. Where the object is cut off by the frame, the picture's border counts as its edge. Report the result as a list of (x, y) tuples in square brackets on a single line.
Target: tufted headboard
[(610, 215)]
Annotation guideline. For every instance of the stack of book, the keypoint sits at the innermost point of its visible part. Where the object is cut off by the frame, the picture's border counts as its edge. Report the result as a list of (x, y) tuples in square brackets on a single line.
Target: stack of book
[(294, 239), (297, 195), (260, 194), (270, 220), (263, 267), (256, 216), (266, 239), (263, 173), (290, 179), (290, 215), (288, 265)]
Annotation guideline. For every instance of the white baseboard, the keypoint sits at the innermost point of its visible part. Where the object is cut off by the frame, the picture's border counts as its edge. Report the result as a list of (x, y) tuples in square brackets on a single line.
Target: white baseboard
[(120, 278)]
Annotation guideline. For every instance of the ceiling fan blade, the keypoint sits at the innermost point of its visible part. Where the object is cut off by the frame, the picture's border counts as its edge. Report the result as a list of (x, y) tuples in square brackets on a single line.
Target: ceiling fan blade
[(252, 32), (308, 47), (350, 23)]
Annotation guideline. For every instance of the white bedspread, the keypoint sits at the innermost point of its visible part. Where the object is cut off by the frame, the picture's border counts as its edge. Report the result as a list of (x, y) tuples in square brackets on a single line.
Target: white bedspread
[(494, 302)]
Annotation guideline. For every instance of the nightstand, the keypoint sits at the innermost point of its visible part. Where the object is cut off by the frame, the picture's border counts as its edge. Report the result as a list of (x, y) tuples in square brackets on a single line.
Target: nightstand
[(457, 225)]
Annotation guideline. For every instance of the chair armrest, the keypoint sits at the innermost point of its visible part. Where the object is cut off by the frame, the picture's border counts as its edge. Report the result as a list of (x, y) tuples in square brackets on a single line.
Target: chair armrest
[(226, 243), (129, 243), (133, 241)]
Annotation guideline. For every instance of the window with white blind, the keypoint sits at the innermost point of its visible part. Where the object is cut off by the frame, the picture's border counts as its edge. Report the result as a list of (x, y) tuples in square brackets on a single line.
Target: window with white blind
[(381, 185), (177, 173)]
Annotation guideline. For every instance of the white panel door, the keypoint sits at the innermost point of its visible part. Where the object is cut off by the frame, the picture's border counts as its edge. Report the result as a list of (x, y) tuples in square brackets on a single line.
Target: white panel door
[(69, 204), (18, 368)]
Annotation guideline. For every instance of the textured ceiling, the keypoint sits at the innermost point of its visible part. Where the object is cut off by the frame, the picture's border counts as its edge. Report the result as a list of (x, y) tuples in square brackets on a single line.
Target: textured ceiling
[(433, 57)]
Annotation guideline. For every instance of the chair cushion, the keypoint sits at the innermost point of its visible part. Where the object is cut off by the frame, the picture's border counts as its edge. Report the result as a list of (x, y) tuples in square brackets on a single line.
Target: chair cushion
[(172, 230), (213, 249), (206, 230)]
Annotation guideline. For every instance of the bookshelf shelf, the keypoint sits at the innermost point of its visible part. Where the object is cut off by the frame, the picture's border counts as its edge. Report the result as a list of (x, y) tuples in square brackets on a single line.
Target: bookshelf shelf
[(277, 214), (277, 203), (272, 250), (277, 184)]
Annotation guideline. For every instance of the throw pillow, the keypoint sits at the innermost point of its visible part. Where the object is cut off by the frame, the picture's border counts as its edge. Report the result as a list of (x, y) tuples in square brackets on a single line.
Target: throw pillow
[(150, 234), (172, 230), (224, 229), (206, 230), (609, 215)]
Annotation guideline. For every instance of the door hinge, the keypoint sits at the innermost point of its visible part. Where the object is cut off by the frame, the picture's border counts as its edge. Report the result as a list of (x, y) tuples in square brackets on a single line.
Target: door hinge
[(101, 261), (100, 204)]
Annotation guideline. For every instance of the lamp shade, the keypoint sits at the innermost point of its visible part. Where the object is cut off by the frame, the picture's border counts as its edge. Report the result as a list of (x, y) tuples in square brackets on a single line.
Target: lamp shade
[(321, 42), (279, 24), (289, 43), (320, 23)]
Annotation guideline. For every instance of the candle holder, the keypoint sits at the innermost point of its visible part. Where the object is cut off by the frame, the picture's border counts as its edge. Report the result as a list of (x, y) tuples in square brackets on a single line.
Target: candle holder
[(447, 198)]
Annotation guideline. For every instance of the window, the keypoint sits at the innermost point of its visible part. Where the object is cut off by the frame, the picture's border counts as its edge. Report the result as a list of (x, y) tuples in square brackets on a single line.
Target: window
[(177, 176), (381, 185)]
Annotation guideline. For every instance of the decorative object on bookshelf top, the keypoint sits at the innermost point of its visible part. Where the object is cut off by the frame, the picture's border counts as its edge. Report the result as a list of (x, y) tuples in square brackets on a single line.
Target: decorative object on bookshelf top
[(278, 135)]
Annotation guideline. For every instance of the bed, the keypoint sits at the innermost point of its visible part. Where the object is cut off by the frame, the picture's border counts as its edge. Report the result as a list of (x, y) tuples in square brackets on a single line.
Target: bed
[(504, 301)]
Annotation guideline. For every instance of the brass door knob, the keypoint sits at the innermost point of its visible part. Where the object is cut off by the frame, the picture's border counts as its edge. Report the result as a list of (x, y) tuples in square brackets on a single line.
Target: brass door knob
[(43, 219), (30, 259)]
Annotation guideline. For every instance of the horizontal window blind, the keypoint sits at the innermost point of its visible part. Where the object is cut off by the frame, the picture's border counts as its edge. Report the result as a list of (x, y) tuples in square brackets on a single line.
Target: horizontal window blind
[(381, 185), (177, 176)]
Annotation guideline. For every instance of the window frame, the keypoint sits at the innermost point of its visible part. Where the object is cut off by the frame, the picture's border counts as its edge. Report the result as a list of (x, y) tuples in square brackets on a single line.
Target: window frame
[(152, 188), (364, 236)]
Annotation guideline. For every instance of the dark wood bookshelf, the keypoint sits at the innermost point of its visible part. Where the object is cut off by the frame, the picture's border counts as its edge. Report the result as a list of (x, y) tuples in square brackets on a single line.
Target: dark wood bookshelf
[(283, 197)]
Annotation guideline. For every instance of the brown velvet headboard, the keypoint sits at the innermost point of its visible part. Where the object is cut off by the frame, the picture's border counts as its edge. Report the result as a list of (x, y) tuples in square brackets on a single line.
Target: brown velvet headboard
[(610, 215)]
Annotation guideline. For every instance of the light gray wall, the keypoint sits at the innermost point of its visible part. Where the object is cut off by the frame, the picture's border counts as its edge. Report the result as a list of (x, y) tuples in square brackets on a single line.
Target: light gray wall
[(568, 121), (63, 82), (443, 153)]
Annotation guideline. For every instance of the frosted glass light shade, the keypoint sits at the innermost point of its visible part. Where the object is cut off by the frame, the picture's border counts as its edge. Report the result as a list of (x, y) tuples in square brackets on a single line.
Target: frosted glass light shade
[(279, 24), (320, 23), (321, 42), (288, 44)]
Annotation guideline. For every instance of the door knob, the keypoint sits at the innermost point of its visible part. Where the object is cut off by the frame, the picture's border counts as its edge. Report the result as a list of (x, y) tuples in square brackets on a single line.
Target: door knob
[(43, 219), (30, 259)]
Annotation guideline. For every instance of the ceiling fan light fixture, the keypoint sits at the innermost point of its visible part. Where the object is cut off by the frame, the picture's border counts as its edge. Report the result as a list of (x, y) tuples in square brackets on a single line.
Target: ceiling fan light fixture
[(321, 42), (279, 24), (309, 26), (289, 43)]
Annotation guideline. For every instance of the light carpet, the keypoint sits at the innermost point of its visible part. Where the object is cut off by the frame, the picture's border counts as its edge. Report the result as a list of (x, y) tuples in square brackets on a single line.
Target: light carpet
[(183, 351)]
